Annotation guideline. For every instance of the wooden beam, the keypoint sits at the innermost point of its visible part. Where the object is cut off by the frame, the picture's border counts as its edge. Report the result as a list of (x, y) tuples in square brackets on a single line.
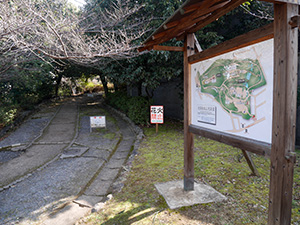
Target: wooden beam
[(197, 45), (168, 48), (144, 48), (193, 7), (257, 147), (297, 2), (185, 22), (188, 136), (284, 115), (217, 14), (252, 37), (171, 24), (250, 163), (159, 35)]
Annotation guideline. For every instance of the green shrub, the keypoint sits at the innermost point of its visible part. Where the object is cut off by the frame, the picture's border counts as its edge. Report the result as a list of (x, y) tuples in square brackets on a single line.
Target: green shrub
[(119, 100), (7, 115), (136, 108), (139, 110)]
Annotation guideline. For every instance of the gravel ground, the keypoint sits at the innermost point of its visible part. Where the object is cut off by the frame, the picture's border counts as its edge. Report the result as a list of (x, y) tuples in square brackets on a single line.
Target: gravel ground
[(6, 156), (30, 129), (47, 189), (32, 199), (101, 139)]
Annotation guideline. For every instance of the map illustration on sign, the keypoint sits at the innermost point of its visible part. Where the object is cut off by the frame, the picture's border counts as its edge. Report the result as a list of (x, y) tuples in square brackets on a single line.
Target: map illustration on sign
[(233, 92)]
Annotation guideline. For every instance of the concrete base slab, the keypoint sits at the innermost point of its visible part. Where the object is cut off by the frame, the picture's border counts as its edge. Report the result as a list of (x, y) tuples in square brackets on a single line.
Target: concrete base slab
[(176, 197)]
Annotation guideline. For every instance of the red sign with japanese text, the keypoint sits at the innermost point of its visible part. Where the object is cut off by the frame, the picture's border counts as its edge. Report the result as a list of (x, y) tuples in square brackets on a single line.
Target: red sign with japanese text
[(156, 114)]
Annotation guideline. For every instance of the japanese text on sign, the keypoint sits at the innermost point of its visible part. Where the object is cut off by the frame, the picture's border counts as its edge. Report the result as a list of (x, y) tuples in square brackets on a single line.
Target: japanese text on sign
[(97, 121), (207, 114), (156, 114)]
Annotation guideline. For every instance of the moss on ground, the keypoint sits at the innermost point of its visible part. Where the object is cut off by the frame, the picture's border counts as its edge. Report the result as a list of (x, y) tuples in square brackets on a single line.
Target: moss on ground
[(160, 159)]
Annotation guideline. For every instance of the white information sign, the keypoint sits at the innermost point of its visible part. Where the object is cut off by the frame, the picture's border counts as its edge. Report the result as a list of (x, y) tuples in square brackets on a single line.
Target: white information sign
[(207, 114), (156, 114), (97, 122), (233, 92)]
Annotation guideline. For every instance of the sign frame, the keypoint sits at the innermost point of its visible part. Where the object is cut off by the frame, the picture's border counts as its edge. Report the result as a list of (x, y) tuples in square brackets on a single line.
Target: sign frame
[(236, 126), (161, 119), (97, 122)]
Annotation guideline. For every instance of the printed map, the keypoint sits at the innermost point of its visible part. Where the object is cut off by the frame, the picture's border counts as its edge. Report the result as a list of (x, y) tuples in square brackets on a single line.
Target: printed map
[(231, 83), (233, 92)]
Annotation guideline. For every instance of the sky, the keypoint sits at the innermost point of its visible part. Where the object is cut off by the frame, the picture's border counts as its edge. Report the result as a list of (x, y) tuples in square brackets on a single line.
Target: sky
[(77, 2)]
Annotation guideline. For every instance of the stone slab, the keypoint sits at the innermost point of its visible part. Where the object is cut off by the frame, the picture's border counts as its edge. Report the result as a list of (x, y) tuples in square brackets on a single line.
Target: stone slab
[(97, 153), (176, 197), (98, 188), (88, 201), (73, 152), (108, 174), (68, 215), (58, 133), (65, 118), (115, 163), (121, 155)]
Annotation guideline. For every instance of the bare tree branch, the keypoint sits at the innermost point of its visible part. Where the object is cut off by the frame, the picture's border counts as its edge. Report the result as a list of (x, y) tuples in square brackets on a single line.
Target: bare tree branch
[(51, 30)]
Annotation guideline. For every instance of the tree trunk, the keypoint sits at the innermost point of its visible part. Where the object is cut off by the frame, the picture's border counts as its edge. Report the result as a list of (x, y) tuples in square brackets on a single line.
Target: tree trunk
[(150, 92), (116, 86), (104, 83), (139, 87), (58, 81)]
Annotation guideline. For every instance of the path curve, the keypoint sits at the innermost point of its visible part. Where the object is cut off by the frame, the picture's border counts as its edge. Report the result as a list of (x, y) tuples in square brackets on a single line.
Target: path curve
[(79, 171)]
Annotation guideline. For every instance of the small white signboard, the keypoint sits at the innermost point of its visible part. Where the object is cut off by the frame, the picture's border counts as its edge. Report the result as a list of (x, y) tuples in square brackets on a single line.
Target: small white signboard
[(156, 114), (97, 122), (207, 114)]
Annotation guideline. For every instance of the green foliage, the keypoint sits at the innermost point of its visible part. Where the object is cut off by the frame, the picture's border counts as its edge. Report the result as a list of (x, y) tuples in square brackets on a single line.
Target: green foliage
[(136, 108), (139, 110), (147, 70), (150, 69), (118, 100), (7, 115), (30, 83), (235, 23)]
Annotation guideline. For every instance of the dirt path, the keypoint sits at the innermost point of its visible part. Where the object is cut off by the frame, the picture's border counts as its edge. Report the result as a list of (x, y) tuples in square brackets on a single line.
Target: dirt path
[(76, 168)]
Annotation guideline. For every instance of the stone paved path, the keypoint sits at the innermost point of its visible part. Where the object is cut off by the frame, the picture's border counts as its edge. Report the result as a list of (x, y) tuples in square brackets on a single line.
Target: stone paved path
[(77, 168), (54, 139)]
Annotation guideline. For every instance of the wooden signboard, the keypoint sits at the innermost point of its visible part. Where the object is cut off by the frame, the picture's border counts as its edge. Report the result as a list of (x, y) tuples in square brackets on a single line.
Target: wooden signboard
[(225, 82), (232, 92)]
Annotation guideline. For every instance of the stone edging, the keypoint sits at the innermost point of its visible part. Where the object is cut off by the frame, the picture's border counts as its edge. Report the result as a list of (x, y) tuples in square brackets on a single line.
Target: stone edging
[(23, 146), (118, 184)]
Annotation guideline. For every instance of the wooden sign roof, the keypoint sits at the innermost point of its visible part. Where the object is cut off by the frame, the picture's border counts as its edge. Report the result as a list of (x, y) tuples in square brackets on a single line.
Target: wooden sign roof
[(191, 17)]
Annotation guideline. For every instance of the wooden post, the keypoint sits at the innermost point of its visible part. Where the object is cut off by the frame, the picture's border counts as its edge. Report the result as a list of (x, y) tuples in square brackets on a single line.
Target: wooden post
[(250, 163), (156, 126), (284, 115), (188, 137)]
